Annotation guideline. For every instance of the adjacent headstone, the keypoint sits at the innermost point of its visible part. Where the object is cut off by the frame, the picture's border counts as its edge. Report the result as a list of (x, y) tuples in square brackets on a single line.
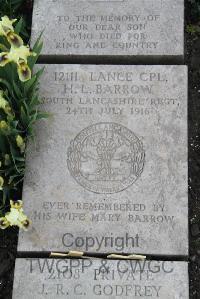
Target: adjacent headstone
[(89, 279), (108, 170), (85, 28)]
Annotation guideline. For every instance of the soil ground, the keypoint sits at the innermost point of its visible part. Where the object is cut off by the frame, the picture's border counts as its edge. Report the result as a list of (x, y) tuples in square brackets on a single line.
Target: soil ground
[(192, 59)]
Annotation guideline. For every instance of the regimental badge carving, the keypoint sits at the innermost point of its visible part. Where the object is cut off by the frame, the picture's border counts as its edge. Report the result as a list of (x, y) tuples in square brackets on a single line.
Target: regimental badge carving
[(106, 158)]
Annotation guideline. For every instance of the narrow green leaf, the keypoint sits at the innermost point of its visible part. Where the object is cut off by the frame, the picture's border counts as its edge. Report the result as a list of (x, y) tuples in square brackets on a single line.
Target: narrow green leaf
[(18, 26)]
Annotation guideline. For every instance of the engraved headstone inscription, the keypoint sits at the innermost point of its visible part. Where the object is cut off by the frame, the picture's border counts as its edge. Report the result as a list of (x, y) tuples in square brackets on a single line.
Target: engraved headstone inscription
[(90, 279), (85, 28), (108, 170)]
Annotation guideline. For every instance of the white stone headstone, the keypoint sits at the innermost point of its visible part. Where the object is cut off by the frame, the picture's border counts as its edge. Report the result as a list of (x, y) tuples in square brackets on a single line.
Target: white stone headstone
[(126, 28), (108, 170)]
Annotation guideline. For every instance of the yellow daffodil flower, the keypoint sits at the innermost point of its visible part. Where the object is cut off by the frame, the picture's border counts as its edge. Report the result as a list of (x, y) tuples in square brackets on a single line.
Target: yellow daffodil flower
[(14, 39), (26, 223), (1, 183), (15, 217), (16, 204), (6, 25), (3, 58), (4, 223), (18, 53), (24, 72), (19, 56), (7, 30), (20, 143)]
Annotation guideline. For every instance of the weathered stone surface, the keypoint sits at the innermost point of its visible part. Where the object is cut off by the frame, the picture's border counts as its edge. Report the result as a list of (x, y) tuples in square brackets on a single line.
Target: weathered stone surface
[(110, 28), (89, 278), (108, 170)]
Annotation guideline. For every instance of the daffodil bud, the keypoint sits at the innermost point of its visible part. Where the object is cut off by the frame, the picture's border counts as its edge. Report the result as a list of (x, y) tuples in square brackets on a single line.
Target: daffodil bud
[(6, 159), (9, 111), (4, 104), (20, 143), (3, 125)]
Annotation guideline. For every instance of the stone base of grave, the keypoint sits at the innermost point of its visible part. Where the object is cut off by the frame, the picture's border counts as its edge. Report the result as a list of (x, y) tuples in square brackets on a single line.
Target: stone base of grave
[(95, 278)]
